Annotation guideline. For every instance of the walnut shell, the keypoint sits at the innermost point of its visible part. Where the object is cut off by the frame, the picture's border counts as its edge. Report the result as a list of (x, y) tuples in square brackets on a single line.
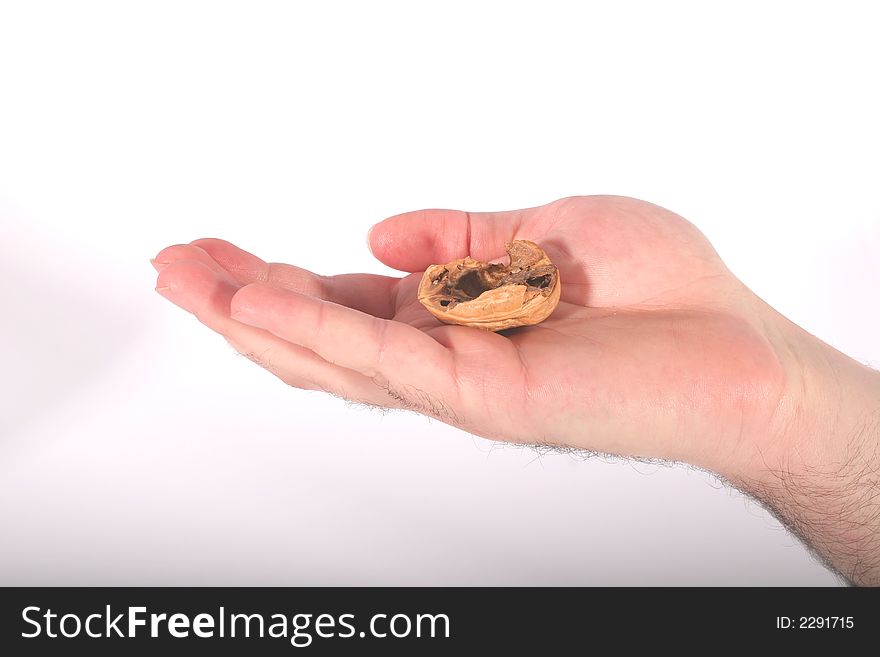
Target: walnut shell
[(493, 297)]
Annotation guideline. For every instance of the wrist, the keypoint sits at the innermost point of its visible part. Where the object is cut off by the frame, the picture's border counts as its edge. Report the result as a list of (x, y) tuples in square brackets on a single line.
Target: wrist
[(825, 410), (817, 467)]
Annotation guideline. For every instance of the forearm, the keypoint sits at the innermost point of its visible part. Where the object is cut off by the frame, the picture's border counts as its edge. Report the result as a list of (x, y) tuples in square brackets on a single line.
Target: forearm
[(821, 474)]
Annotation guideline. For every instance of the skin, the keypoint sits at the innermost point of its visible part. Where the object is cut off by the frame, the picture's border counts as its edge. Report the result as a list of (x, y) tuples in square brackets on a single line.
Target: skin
[(656, 350)]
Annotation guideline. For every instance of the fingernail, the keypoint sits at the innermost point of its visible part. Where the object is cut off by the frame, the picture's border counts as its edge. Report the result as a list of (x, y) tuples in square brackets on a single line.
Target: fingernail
[(369, 246), (158, 265), (163, 289)]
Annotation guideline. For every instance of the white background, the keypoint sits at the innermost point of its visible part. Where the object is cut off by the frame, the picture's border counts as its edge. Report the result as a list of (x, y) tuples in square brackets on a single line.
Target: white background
[(137, 448)]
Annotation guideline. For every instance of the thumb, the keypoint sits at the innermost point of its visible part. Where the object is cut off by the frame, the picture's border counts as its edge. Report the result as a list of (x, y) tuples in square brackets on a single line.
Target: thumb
[(413, 241)]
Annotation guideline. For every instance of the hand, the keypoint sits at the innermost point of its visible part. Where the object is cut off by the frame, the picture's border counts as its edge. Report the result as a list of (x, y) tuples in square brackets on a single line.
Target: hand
[(655, 350)]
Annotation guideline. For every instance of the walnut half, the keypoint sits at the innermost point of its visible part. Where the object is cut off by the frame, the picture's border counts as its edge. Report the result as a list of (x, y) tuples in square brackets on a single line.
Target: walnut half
[(493, 297)]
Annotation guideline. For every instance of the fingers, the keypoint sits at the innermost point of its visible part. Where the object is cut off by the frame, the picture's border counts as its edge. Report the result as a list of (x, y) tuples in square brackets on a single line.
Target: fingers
[(302, 368), (415, 240), (206, 291), (413, 367), (368, 293), (199, 287)]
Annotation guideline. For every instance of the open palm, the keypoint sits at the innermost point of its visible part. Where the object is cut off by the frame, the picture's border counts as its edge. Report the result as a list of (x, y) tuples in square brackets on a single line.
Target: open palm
[(655, 349)]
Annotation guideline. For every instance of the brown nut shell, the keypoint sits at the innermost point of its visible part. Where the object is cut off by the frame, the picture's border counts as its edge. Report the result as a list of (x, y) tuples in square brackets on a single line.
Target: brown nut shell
[(493, 297)]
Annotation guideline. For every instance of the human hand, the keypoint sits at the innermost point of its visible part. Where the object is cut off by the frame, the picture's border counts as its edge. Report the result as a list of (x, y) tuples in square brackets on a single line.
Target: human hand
[(655, 350)]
